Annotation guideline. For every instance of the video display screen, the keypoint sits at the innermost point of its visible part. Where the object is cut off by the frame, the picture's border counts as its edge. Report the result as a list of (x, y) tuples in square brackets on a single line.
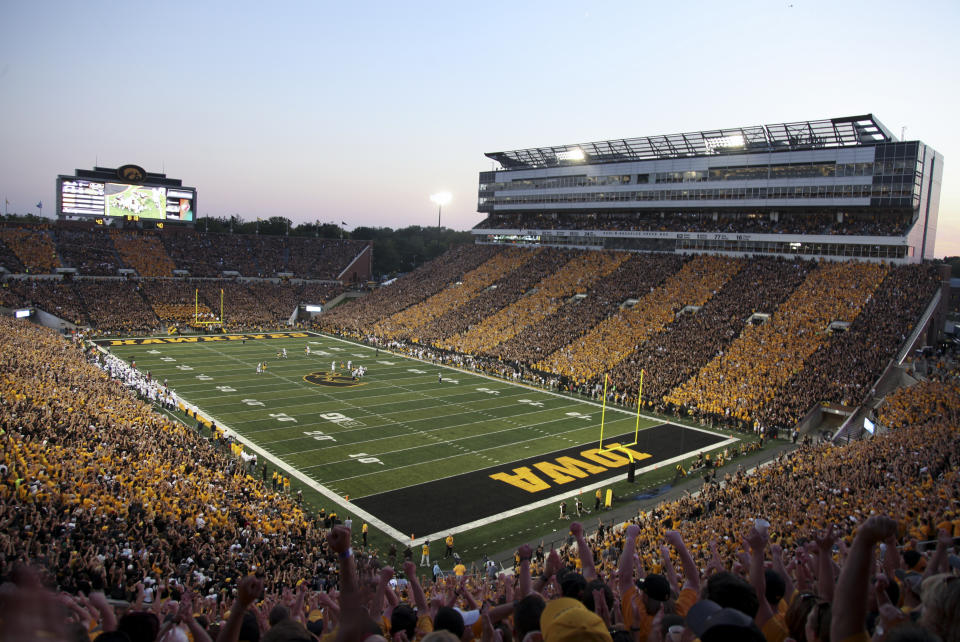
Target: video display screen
[(136, 200), (82, 197), (91, 198)]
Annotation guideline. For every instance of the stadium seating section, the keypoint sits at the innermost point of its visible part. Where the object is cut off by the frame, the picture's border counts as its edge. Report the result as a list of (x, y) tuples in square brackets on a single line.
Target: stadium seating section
[(102, 495), (95, 251), (106, 498), (818, 223), (750, 342), (152, 298)]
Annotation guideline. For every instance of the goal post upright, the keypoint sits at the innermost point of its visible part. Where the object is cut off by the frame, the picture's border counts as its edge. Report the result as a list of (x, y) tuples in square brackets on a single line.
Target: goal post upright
[(603, 411), (636, 432)]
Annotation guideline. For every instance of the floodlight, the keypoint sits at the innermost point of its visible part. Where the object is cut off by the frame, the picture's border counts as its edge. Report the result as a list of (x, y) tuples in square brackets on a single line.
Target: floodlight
[(575, 154), (441, 198)]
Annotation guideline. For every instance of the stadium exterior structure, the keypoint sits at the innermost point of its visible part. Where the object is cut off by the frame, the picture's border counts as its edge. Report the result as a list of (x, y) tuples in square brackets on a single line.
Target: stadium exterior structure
[(838, 188)]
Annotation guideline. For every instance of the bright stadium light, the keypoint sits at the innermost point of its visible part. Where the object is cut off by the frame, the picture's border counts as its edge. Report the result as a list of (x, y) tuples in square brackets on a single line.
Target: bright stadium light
[(441, 199), (575, 154)]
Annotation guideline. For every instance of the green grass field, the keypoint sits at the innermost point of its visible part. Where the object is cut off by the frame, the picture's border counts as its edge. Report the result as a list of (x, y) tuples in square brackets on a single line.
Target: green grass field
[(398, 428)]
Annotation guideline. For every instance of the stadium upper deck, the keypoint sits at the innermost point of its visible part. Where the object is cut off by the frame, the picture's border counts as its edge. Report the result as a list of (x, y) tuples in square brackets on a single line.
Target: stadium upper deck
[(841, 187)]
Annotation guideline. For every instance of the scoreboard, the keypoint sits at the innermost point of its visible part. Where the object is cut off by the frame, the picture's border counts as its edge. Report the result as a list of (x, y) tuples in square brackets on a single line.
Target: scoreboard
[(102, 193)]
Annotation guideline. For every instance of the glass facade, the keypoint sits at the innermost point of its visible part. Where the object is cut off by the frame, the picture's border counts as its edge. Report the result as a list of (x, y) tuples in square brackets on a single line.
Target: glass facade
[(866, 187)]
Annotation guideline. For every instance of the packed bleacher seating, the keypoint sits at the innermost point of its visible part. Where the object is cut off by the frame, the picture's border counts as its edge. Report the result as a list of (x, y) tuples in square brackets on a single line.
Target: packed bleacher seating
[(578, 274), (32, 247), (685, 329), (256, 255), (174, 300), (613, 339), (748, 377), (49, 295), (143, 252), (819, 223), (89, 250), (844, 368), (634, 277), (98, 251), (9, 260), (403, 324), (671, 357), (409, 289), (122, 306), (505, 291), (108, 501), (116, 306)]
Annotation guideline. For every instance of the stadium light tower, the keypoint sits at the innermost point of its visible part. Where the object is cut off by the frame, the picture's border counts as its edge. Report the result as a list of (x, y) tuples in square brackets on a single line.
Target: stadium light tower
[(441, 199)]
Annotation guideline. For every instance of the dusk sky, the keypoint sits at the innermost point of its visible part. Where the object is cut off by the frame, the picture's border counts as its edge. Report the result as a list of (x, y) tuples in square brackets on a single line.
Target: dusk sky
[(359, 111)]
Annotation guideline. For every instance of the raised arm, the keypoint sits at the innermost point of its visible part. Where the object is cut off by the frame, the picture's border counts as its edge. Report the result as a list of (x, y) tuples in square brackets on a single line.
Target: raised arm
[(383, 580), (777, 553), (625, 578), (526, 585), (338, 539), (108, 618), (825, 583), (419, 599), (691, 574), (185, 614), (938, 563), (849, 606), (587, 568), (248, 590), (891, 557), (668, 570), (758, 545)]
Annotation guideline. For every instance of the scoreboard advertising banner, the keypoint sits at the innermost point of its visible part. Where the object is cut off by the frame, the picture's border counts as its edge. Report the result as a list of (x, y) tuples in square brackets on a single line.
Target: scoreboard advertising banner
[(94, 198)]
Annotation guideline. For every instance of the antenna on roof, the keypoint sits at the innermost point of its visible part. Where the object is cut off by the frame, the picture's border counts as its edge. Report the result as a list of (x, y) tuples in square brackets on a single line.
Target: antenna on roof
[(903, 131)]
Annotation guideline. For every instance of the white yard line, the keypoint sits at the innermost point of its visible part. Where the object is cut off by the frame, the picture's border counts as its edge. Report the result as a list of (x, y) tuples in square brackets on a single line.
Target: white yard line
[(380, 524)]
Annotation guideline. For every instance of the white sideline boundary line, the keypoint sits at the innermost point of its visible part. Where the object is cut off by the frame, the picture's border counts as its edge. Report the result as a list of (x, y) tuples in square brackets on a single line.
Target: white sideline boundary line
[(390, 530), (556, 498)]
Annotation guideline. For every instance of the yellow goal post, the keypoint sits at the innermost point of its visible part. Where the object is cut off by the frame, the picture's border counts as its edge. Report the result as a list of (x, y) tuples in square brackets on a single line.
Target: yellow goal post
[(624, 448)]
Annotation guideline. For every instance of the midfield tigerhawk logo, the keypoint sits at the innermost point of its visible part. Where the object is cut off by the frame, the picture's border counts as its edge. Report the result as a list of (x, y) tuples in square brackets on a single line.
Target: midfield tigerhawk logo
[(332, 379)]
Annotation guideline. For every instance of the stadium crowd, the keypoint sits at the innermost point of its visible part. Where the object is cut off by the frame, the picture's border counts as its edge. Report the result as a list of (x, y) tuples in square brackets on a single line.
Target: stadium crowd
[(750, 343), (822, 223), (613, 339), (114, 304), (28, 248), (687, 344), (403, 324), (633, 278), (119, 523), (32, 248), (499, 295), (409, 289), (749, 375), (143, 251), (578, 274)]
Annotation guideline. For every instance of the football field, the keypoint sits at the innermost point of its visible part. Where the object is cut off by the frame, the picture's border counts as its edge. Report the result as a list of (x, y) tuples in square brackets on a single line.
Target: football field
[(419, 448)]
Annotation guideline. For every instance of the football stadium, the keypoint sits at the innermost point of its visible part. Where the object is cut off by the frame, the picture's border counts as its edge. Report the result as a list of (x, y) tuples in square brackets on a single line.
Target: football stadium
[(689, 380)]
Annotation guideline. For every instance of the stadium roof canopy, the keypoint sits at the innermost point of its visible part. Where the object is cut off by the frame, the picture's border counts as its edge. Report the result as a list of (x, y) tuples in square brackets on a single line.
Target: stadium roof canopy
[(847, 131)]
